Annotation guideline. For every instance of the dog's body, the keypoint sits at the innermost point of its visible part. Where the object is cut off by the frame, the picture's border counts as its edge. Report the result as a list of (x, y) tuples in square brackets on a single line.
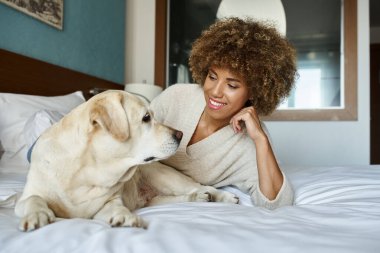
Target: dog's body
[(86, 166)]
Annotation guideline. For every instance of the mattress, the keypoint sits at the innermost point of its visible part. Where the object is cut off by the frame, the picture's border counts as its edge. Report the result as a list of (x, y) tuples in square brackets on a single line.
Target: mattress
[(336, 209)]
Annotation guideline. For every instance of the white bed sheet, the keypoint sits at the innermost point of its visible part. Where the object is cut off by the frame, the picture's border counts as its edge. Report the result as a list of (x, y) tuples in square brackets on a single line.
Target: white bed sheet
[(11, 186), (337, 209)]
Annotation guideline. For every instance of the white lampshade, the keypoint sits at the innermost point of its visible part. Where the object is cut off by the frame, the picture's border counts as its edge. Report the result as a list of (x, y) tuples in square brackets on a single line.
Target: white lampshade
[(265, 10), (144, 90)]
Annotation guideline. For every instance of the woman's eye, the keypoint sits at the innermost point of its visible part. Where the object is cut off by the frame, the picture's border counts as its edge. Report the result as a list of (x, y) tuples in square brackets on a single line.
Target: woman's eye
[(232, 86), (212, 77), (146, 117)]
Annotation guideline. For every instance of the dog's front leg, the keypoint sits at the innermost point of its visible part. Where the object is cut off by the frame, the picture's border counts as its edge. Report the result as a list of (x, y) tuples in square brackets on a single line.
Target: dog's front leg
[(174, 186), (34, 213), (116, 214)]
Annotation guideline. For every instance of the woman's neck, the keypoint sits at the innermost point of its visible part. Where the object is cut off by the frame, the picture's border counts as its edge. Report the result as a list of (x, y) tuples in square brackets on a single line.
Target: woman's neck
[(210, 124), (206, 127)]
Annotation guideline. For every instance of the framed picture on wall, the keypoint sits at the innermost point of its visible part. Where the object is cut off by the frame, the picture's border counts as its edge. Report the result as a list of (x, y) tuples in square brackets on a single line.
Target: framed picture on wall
[(47, 11)]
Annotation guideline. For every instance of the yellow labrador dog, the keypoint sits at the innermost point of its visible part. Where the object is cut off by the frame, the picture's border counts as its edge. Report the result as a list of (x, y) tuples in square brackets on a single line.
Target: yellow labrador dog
[(85, 166)]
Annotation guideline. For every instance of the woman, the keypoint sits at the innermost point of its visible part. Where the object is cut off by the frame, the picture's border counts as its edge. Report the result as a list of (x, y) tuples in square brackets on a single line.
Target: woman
[(244, 68)]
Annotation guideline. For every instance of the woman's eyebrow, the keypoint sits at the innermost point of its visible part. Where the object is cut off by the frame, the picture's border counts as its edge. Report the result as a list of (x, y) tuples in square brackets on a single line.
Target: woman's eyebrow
[(233, 79), (212, 71)]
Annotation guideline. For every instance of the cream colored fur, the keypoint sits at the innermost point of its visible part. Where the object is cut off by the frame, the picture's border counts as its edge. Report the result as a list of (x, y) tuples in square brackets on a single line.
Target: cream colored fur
[(86, 166)]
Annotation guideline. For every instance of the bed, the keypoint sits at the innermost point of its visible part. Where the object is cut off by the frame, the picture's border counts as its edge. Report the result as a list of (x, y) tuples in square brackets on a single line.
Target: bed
[(336, 209)]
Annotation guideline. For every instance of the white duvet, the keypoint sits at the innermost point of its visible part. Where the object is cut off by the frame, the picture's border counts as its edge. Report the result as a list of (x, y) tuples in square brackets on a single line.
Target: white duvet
[(337, 209)]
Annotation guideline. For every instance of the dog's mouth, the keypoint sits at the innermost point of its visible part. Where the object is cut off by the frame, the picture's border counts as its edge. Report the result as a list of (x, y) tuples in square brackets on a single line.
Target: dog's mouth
[(149, 159)]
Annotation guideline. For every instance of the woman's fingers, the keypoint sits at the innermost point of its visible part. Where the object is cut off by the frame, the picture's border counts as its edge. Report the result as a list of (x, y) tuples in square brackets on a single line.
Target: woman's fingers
[(248, 117), (239, 119)]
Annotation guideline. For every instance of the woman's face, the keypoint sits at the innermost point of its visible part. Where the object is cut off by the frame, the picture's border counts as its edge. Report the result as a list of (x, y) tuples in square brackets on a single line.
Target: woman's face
[(225, 93)]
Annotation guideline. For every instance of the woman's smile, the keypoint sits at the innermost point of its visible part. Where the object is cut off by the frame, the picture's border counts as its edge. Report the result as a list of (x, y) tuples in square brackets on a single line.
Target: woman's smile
[(214, 104)]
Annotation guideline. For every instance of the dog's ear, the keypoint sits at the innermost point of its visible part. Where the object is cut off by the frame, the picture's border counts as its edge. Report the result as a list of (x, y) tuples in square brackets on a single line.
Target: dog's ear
[(109, 114)]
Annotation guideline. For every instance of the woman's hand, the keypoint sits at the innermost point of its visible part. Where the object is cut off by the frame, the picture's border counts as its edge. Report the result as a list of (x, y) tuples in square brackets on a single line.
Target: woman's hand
[(248, 116), (270, 176)]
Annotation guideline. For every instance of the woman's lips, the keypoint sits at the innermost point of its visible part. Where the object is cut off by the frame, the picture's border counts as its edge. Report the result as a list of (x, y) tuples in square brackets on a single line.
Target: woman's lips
[(216, 105)]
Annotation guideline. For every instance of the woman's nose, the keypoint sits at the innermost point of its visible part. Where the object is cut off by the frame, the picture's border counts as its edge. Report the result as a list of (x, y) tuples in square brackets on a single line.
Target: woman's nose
[(217, 90)]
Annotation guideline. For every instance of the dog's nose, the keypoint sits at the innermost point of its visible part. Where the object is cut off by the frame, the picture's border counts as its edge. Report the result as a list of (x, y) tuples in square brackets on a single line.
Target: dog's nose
[(178, 135)]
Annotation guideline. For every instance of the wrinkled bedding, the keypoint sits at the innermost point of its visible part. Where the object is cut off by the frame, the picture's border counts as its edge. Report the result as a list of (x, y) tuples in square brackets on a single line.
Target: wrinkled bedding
[(337, 209)]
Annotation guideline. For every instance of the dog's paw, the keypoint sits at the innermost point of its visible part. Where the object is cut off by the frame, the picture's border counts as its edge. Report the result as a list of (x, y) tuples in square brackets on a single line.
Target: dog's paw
[(127, 220), (36, 220), (223, 196), (200, 197)]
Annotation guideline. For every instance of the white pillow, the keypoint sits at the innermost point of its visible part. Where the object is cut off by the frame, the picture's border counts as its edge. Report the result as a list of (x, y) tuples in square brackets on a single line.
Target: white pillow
[(16, 109), (38, 123)]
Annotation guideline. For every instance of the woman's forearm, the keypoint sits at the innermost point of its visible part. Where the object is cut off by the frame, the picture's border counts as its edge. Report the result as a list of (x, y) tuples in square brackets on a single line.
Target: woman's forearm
[(269, 173)]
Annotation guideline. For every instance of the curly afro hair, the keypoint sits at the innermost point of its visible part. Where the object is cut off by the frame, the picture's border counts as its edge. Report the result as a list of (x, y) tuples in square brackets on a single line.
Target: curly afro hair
[(252, 50)]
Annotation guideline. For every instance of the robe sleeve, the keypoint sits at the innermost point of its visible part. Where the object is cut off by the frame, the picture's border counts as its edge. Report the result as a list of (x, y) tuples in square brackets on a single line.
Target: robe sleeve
[(284, 197)]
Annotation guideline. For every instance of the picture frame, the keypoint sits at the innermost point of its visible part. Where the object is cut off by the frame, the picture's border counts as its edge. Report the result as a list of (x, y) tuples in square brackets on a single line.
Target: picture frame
[(47, 11)]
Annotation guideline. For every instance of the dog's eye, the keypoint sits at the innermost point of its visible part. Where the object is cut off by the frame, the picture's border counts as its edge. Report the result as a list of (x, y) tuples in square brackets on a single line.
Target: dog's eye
[(146, 117)]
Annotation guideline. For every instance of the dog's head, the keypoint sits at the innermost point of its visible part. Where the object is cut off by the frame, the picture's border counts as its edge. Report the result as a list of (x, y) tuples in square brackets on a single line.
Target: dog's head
[(121, 125)]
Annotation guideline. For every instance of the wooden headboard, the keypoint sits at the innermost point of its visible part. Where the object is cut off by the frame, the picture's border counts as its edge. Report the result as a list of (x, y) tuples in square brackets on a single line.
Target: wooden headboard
[(25, 75)]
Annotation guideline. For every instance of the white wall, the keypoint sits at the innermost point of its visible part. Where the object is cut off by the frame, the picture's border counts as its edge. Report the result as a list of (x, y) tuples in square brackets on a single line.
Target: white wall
[(140, 36), (296, 143)]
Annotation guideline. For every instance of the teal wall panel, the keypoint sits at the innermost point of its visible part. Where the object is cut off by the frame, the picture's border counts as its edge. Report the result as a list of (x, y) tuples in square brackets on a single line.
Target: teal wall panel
[(92, 40)]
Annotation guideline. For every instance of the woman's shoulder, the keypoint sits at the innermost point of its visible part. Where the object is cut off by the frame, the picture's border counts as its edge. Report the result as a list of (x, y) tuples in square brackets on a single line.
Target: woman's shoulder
[(183, 89), (177, 94)]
